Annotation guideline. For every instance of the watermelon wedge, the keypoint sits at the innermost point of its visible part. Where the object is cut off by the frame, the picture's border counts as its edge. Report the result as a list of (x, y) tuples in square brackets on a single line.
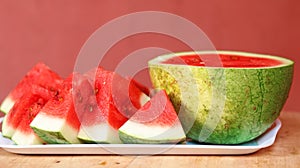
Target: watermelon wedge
[(116, 100), (24, 135), (156, 122), (16, 122), (58, 121), (40, 75)]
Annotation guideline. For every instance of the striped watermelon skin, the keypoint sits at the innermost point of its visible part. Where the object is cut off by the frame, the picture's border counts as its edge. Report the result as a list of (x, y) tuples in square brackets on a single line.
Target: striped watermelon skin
[(224, 105)]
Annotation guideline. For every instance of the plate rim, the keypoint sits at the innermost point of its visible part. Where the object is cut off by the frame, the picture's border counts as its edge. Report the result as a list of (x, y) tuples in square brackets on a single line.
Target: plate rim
[(263, 141)]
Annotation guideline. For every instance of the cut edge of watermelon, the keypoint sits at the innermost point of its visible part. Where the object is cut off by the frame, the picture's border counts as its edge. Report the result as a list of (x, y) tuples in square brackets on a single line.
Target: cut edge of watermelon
[(160, 59)]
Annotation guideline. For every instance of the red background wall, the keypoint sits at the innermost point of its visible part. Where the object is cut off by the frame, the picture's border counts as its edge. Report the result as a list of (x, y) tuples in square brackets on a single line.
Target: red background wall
[(54, 31)]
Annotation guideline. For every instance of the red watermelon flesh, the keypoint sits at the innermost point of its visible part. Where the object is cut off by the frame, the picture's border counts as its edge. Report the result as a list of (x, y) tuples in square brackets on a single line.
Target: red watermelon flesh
[(158, 111), (65, 111), (125, 97), (222, 60), (17, 120), (94, 124), (40, 75), (24, 135), (99, 78), (155, 122), (139, 85), (117, 99)]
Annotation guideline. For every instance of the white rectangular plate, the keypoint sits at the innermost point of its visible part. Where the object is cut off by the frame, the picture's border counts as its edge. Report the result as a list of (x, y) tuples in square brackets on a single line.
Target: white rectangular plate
[(190, 148)]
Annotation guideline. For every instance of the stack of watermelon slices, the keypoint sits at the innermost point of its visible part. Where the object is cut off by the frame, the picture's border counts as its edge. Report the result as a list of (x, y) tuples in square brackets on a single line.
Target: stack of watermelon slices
[(116, 99), (24, 102), (99, 106), (57, 121)]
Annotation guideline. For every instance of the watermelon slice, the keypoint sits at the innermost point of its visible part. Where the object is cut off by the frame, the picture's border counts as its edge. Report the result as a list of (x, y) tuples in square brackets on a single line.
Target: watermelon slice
[(16, 122), (24, 135), (40, 75), (58, 121), (116, 100), (156, 122), (224, 97)]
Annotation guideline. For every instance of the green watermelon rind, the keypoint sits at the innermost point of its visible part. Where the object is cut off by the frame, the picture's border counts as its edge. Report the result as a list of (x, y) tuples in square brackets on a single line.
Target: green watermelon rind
[(51, 137), (89, 141), (264, 91)]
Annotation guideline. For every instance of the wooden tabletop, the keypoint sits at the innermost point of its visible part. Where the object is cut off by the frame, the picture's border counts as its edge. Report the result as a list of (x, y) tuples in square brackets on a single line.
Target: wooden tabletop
[(285, 152)]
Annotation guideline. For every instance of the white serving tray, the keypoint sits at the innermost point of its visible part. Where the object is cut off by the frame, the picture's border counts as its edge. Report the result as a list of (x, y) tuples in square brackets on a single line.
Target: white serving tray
[(190, 148)]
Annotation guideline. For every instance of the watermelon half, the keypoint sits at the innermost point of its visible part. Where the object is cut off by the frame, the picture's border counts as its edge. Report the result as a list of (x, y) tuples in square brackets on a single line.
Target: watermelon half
[(156, 122), (116, 100), (224, 97), (40, 75)]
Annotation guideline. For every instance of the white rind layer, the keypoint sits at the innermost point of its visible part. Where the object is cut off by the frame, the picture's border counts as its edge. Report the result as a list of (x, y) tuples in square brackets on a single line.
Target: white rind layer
[(100, 133), (144, 99), (21, 138), (7, 104), (153, 133), (51, 126), (47, 123), (7, 130)]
